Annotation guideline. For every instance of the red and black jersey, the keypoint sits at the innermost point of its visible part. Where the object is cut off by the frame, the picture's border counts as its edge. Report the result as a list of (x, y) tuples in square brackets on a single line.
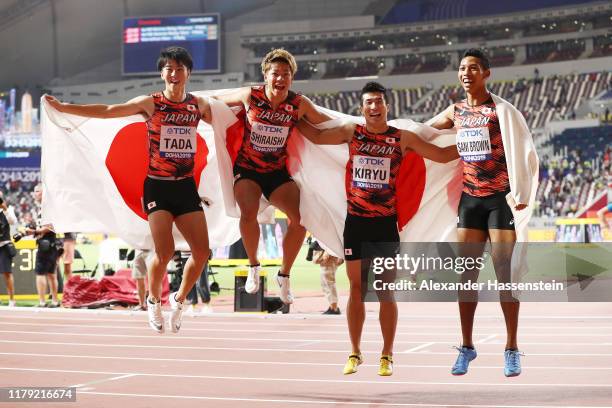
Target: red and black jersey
[(479, 142), (371, 172), (266, 131), (172, 136)]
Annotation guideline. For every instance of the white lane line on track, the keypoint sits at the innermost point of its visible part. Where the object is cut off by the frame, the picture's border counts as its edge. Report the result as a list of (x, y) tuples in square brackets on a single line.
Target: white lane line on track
[(307, 343), (295, 316), (119, 377), (177, 337), (239, 362), (489, 337), (201, 320), (421, 347), (339, 402), (274, 339), (142, 326), (240, 349), (327, 380)]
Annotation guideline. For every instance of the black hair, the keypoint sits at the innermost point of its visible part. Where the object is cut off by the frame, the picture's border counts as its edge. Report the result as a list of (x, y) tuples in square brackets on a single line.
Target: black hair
[(374, 87), (478, 53), (178, 54)]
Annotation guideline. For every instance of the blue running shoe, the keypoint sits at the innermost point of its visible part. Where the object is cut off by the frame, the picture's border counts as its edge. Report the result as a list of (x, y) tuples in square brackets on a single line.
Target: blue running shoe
[(466, 355), (512, 363)]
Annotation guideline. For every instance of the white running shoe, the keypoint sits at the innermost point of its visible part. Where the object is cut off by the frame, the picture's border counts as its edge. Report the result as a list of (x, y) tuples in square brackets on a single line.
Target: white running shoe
[(285, 289), (176, 313), (206, 309), (12, 303), (156, 318), (252, 282)]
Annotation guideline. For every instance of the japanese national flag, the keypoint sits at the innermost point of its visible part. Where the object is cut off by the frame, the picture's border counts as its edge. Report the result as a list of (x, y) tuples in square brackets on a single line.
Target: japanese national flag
[(93, 172), (427, 192)]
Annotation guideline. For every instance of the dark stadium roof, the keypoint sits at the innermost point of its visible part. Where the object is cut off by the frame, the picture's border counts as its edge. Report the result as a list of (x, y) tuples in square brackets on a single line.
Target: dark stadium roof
[(409, 11)]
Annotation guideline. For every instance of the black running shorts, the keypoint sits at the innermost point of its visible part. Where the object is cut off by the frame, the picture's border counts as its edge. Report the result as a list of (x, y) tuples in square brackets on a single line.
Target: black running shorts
[(268, 182), (484, 213), (46, 261), (5, 260), (370, 237), (175, 196)]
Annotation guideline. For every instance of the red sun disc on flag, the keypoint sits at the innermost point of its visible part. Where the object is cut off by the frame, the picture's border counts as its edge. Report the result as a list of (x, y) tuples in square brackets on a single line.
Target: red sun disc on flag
[(410, 186), (128, 159)]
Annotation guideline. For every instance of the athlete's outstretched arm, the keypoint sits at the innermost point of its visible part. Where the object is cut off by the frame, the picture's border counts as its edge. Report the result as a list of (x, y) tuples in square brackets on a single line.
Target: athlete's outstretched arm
[(333, 136), (445, 119), (429, 151), (309, 111), (140, 104), (240, 97)]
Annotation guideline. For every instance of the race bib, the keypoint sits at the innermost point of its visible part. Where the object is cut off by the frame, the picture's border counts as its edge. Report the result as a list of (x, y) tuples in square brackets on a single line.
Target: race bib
[(474, 144), (177, 142), (268, 138), (371, 172)]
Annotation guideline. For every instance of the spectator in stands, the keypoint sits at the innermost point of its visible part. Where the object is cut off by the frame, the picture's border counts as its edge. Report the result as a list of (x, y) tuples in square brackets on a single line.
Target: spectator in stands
[(7, 248), (46, 256), (20, 194), (328, 265), (272, 111), (68, 255)]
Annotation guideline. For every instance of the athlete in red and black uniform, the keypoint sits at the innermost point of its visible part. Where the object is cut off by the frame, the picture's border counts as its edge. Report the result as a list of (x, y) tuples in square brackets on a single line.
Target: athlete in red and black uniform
[(485, 174), (170, 194), (375, 154), (272, 110), (483, 212), (373, 166), (172, 156), (263, 154)]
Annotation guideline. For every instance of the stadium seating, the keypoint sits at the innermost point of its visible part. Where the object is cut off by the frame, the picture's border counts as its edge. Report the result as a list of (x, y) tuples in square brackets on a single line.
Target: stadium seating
[(577, 173)]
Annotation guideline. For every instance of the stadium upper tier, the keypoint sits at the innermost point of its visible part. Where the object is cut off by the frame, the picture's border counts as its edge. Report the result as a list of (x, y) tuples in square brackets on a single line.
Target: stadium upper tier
[(579, 31), (541, 100), (406, 11)]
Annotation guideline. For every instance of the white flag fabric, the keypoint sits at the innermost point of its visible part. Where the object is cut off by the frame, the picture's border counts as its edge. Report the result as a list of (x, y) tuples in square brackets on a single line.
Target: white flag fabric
[(93, 172), (428, 192)]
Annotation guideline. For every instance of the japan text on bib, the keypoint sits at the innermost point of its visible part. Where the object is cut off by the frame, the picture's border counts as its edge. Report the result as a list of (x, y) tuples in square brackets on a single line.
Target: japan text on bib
[(474, 144), (177, 142), (371, 172)]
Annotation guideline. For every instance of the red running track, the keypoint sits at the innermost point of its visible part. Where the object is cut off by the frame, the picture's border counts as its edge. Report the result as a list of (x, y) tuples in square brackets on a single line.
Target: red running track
[(235, 360)]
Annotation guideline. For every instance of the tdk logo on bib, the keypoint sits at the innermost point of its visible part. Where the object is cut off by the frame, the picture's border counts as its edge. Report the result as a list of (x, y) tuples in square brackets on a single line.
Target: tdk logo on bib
[(179, 130), (177, 142), (268, 138), (474, 144), (376, 161), (371, 172)]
